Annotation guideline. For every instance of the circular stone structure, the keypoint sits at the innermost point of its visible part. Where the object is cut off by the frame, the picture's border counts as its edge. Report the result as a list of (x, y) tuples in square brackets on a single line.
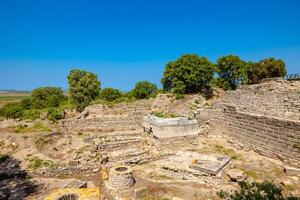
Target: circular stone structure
[(120, 178)]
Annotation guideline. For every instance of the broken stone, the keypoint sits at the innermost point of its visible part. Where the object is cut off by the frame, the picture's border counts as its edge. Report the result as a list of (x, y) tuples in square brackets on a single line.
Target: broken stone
[(236, 175), (291, 170)]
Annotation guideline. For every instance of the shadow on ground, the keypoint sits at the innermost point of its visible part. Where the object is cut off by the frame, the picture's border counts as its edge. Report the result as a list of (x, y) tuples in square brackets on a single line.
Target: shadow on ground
[(14, 182)]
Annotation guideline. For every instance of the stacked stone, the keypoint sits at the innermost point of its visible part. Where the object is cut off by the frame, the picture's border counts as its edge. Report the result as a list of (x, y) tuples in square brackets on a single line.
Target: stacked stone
[(120, 178), (277, 98), (274, 137)]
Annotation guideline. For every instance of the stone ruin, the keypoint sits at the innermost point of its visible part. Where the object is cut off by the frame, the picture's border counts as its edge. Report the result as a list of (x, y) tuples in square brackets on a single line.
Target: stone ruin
[(120, 178), (188, 165), (172, 133), (263, 117)]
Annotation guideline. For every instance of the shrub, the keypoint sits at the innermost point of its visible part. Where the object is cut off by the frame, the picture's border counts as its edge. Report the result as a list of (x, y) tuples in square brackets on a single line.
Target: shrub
[(110, 94), (144, 89), (188, 74), (12, 110), (44, 97), (83, 88), (32, 114), (54, 114), (267, 68), (256, 191)]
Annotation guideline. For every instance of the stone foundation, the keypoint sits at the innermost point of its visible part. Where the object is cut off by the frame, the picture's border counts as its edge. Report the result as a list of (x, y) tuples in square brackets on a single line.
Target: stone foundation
[(120, 178)]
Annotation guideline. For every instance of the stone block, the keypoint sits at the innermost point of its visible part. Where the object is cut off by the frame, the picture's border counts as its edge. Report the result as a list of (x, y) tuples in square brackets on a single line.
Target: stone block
[(291, 170)]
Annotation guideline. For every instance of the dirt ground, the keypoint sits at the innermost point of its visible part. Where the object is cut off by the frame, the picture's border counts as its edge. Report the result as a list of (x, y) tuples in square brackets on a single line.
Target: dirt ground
[(46, 145)]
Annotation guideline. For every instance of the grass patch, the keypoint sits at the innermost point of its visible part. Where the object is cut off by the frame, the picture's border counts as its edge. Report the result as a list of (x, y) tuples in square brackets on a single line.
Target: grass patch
[(250, 173), (163, 115), (229, 152), (37, 163), (37, 127)]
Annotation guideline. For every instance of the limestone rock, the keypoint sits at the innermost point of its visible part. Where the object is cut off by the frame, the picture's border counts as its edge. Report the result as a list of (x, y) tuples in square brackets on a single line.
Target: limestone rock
[(236, 175), (291, 170)]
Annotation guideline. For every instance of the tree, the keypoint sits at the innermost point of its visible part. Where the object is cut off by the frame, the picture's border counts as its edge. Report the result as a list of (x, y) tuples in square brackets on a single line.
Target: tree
[(231, 71), (83, 87), (44, 97), (110, 94), (256, 191), (144, 89), (12, 110), (188, 74), (267, 68)]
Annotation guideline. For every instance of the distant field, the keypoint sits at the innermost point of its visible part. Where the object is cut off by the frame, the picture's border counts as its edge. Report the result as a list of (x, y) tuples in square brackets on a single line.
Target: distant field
[(10, 97)]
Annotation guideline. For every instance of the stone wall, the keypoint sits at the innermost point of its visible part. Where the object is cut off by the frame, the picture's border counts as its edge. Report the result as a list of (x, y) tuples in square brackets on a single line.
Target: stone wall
[(274, 137), (277, 98)]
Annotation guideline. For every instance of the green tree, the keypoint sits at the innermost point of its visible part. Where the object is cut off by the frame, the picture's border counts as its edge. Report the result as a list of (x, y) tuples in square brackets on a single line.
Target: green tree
[(83, 87), (188, 74), (110, 94), (12, 110), (44, 97), (231, 71), (144, 89), (256, 191), (267, 68)]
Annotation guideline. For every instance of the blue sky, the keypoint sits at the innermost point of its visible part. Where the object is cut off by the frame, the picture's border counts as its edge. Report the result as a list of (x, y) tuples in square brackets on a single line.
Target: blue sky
[(125, 41)]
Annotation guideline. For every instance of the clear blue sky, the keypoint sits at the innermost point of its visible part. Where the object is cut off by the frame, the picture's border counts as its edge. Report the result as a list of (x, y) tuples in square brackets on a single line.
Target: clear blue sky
[(124, 41)]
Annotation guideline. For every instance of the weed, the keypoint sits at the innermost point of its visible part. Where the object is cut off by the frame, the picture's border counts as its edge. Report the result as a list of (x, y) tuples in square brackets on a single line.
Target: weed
[(3, 157), (36, 163)]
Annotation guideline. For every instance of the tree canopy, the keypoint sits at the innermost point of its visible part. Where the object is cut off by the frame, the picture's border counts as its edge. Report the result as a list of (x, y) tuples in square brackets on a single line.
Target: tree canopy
[(231, 71), (267, 68), (44, 97), (83, 88), (188, 74), (144, 89), (110, 94)]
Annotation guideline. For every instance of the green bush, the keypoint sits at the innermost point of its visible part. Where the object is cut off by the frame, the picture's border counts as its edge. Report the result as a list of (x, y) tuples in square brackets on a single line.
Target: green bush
[(44, 97), (110, 94), (267, 68), (12, 110), (54, 114), (188, 74), (144, 90), (32, 114), (256, 191)]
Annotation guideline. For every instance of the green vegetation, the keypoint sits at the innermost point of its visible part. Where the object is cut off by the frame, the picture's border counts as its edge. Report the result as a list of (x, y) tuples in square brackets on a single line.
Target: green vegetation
[(164, 115), (32, 114), (43, 97), (188, 74), (42, 140), (110, 94), (217, 148), (36, 163), (256, 191), (83, 88), (54, 114), (3, 157), (266, 68), (144, 90), (231, 72), (37, 127)]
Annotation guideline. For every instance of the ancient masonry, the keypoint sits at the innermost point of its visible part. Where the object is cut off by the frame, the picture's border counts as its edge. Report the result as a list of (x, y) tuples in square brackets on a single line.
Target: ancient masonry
[(172, 133), (266, 117)]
